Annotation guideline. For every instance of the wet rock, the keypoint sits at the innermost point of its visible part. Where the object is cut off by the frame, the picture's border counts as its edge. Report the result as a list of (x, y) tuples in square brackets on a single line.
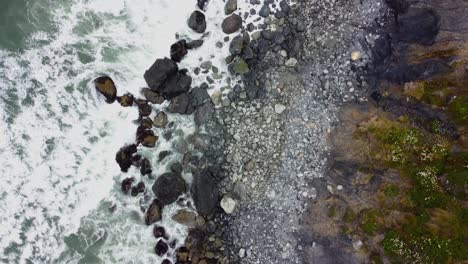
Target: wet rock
[(236, 45), (125, 100), (152, 97), (179, 104), (105, 85), (163, 154), (144, 109), (264, 11), (154, 214), (204, 192), (139, 188), (176, 168), (402, 73), (124, 157), (157, 74), (146, 123), (418, 25), (230, 7), (194, 44), (126, 185), (231, 24), (197, 22), (168, 187), (204, 113), (202, 4), (182, 255), (198, 96), (187, 218), (178, 50), (146, 137), (160, 232), (161, 248), (228, 204), (160, 121), (145, 167)]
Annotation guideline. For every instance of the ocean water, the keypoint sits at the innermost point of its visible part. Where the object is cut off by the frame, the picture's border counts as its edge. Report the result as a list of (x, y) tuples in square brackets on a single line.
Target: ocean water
[(58, 138)]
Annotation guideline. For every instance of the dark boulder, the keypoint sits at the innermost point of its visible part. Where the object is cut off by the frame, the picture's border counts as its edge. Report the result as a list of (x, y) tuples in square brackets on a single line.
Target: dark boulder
[(105, 85), (161, 248), (264, 11), (231, 24), (400, 6), (124, 157), (179, 104), (145, 167), (204, 192), (166, 261), (157, 74), (168, 187), (154, 213), (126, 185), (125, 100), (418, 25), (152, 97), (160, 121), (176, 84), (197, 22), (139, 188), (160, 232), (178, 50)]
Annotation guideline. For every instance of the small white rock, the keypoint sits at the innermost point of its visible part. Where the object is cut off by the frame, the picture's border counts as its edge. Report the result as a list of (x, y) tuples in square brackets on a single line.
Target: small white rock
[(279, 108), (241, 253), (228, 204), (356, 55), (291, 62), (339, 187), (284, 53), (357, 244)]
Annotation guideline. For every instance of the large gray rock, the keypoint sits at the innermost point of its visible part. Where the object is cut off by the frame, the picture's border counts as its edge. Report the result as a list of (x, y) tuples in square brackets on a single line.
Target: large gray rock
[(197, 22), (204, 192), (157, 74), (236, 45), (198, 96), (231, 24), (179, 104), (168, 187), (204, 113)]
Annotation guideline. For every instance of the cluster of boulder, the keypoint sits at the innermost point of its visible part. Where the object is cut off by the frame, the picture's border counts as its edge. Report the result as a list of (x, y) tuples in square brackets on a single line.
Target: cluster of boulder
[(167, 82)]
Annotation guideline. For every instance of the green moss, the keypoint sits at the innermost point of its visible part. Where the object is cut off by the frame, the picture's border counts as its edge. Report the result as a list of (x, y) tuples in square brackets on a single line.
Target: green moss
[(392, 190), (459, 109), (368, 221), (349, 216), (331, 212)]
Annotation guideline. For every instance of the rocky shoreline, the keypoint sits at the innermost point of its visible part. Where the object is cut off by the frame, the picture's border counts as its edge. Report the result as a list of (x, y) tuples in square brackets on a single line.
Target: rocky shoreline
[(274, 154)]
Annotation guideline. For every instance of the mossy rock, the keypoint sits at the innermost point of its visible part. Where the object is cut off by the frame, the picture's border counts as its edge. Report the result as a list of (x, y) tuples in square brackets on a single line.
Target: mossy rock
[(240, 66)]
